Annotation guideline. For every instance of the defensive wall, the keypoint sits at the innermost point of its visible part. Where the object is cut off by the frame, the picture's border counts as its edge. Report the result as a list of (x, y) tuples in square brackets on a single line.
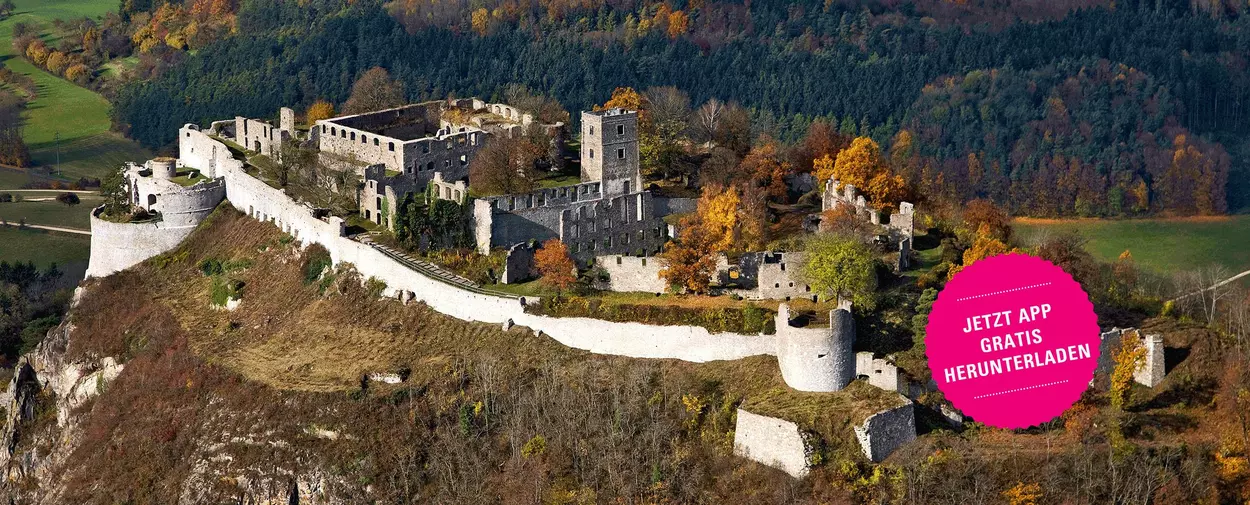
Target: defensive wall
[(118, 246), (261, 201), (884, 432), (578, 215), (810, 358), (782, 445), (774, 442), (633, 273)]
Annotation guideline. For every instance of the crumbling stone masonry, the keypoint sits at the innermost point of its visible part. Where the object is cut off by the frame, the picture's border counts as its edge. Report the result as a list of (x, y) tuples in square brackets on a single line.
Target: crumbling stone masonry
[(884, 432), (900, 224), (606, 213), (881, 373), (1152, 370), (633, 273), (262, 137), (816, 359), (519, 263), (117, 246), (774, 442)]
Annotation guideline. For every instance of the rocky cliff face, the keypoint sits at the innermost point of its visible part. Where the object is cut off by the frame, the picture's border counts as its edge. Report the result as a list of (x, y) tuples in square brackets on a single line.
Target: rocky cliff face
[(43, 414), (40, 428)]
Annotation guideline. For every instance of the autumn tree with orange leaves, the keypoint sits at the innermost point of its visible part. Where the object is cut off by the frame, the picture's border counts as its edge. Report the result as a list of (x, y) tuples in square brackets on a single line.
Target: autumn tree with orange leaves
[(318, 111), (690, 261), (555, 268), (861, 165)]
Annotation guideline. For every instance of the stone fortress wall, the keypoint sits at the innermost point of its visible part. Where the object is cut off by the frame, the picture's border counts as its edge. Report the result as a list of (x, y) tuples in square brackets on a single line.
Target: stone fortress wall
[(262, 137), (884, 432), (418, 143), (766, 275), (633, 273), (690, 343), (899, 227), (606, 214), (774, 442), (117, 246)]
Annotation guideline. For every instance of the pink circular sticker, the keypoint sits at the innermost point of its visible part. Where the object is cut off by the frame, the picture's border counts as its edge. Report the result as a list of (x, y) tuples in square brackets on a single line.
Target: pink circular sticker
[(1012, 341)]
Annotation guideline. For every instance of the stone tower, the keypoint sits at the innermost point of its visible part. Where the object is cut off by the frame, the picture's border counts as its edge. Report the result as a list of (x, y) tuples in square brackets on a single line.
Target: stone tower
[(817, 359), (163, 168), (610, 151)]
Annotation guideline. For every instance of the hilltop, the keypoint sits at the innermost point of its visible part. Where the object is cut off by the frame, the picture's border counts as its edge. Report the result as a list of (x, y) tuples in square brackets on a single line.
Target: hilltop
[(275, 395)]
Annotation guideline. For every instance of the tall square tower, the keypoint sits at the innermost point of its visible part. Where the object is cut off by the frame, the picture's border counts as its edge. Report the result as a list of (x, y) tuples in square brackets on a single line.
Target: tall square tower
[(610, 151)]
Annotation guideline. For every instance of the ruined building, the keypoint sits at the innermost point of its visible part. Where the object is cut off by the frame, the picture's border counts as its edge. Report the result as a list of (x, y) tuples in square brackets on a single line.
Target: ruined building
[(898, 227), (607, 213), (399, 151)]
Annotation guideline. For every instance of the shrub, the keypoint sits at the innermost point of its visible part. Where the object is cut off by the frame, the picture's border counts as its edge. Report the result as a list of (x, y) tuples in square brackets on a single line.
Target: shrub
[(210, 266), (316, 260), (748, 320), (375, 286)]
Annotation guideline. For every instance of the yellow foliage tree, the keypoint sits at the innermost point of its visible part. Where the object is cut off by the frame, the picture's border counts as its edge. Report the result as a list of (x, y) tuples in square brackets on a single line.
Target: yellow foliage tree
[(78, 73), (319, 110), (1127, 360), (718, 212), (858, 163), (481, 21), (176, 40), (1023, 494), (37, 52), (57, 62), (823, 167), (678, 23), (861, 165), (985, 246), (627, 98)]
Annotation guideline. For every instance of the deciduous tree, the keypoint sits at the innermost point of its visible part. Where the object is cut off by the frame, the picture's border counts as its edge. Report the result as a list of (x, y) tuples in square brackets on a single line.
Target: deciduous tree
[(506, 165), (319, 110), (374, 90), (555, 268), (841, 267)]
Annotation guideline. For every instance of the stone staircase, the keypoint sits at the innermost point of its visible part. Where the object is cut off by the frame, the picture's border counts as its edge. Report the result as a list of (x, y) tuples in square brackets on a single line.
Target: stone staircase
[(429, 269)]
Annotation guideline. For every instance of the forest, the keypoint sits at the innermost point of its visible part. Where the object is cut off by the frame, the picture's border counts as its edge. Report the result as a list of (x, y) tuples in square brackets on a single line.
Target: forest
[(870, 69)]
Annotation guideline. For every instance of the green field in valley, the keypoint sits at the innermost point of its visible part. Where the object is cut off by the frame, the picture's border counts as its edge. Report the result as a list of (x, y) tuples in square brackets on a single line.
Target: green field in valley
[(69, 252), (43, 209), (1161, 245), (79, 116)]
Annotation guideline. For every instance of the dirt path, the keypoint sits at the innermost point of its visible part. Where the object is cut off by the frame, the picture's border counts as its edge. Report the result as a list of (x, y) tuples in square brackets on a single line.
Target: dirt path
[(1213, 286), (75, 231)]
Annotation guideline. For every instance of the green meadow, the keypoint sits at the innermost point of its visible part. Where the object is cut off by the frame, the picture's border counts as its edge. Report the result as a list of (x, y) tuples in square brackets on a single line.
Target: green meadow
[(1161, 245), (65, 122), (69, 252)]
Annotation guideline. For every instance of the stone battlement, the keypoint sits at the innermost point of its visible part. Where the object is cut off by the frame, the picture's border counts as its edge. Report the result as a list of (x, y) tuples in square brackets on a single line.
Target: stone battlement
[(813, 358)]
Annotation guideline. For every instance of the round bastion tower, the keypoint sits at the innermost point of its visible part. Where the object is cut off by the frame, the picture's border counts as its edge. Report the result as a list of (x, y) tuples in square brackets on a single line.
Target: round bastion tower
[(816, 359), (163, 168)]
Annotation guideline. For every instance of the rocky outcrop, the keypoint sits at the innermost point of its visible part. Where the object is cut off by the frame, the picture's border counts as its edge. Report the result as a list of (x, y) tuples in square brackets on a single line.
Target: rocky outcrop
[(39, 403)]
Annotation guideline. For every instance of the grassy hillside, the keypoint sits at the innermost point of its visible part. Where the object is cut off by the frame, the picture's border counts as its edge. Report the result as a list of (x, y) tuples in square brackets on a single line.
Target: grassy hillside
[(79, 116), (1162, 245), (276, 390), (290, 360)]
